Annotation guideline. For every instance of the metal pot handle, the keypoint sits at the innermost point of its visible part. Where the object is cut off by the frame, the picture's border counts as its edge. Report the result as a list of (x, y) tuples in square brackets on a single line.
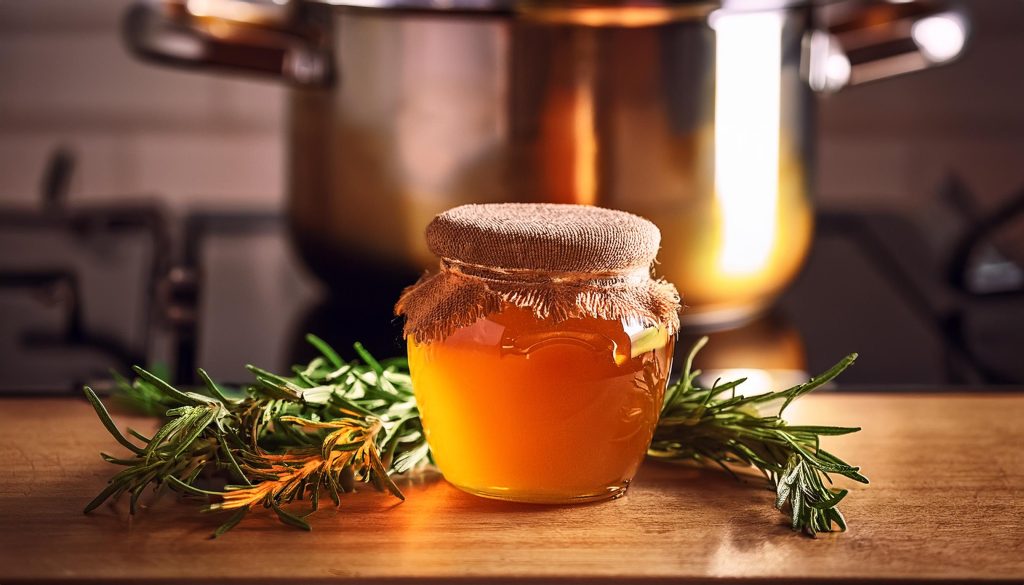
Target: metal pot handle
[(857, 41), (268, 37)]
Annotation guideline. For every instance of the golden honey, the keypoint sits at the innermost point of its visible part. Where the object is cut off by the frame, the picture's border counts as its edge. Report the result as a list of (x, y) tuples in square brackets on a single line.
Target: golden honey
[(525, 409)]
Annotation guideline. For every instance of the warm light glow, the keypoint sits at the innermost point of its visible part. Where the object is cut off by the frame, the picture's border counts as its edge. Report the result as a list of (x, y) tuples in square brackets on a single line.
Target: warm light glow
[(585, 140), (837, 69), (619, 16), (940, 37), (234, 11), (758, 381), (829, 68), (199, 7), (747, 109)]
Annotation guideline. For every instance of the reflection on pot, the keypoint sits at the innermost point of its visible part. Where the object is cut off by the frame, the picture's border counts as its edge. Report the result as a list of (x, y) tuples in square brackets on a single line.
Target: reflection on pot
[(702, 130), (753, 229)]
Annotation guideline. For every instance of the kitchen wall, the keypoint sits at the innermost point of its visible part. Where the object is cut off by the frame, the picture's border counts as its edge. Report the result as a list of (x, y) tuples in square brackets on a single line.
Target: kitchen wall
[(214, 140), (199, 139)]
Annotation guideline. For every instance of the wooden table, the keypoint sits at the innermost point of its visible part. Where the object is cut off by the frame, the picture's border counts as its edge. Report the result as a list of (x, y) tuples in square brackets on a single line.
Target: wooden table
[(946, 503)]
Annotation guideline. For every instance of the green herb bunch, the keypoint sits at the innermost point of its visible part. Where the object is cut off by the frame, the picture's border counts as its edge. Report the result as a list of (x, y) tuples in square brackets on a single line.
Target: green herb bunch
[(332, 424), (715, 425), (318, 431)]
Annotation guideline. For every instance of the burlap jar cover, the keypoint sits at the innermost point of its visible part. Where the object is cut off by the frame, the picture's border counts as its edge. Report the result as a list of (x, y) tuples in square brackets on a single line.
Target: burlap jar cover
[(558, 261)]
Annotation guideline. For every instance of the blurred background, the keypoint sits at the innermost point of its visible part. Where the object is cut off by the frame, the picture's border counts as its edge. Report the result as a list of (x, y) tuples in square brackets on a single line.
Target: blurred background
[(146, 209), (68, 79)]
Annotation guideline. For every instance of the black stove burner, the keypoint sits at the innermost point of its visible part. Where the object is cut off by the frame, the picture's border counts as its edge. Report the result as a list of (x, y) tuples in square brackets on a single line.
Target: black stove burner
[(76, 287)]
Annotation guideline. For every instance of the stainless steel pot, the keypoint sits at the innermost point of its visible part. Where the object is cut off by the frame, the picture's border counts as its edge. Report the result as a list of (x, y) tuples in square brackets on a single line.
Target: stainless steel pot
[(696, 115)]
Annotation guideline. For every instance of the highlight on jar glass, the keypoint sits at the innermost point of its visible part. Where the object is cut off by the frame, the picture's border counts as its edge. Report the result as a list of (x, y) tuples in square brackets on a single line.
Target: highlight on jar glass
[(540, 351)]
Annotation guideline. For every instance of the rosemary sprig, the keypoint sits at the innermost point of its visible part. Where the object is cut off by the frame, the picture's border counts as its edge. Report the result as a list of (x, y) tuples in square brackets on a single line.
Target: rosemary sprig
[(325, 427), (714, 425), (331, 424)]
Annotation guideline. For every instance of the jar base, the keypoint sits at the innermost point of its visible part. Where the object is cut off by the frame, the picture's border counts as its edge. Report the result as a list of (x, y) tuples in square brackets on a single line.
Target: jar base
[(506, 495)]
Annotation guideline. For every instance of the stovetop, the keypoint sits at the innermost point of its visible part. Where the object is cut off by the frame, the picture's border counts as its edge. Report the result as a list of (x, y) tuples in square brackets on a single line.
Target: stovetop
[(86, 290)]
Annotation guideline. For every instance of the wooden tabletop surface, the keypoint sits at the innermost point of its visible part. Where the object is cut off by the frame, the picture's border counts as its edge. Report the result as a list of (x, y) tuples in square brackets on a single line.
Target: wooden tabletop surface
[(946, 503)]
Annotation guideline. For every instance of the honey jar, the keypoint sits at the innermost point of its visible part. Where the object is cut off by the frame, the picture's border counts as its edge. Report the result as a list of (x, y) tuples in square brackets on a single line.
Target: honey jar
[(540, 351)]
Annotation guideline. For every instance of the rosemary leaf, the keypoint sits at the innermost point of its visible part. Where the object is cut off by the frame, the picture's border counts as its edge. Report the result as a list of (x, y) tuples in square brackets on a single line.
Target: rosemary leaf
[(108, 422), (698, 425), (231, 522), (288, 438)]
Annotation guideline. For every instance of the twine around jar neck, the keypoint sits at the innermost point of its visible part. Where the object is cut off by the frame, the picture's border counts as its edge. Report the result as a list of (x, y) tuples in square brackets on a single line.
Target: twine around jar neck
[(533, 277)]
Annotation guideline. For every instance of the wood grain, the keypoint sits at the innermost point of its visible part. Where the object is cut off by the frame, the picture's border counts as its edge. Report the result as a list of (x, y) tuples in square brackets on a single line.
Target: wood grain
[(946, 503)]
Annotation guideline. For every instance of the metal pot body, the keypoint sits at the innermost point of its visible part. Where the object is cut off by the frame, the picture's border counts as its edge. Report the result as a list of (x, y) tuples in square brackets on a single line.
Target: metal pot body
[(703, 130), (696, 115)]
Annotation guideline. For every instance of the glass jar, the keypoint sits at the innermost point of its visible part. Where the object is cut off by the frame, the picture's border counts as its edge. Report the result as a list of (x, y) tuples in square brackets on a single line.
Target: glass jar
[(539, 353), (525, 409)]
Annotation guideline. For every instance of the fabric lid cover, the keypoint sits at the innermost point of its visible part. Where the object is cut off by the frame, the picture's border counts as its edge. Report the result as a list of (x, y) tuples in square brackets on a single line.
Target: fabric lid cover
[(560, 261), (544, 236)]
